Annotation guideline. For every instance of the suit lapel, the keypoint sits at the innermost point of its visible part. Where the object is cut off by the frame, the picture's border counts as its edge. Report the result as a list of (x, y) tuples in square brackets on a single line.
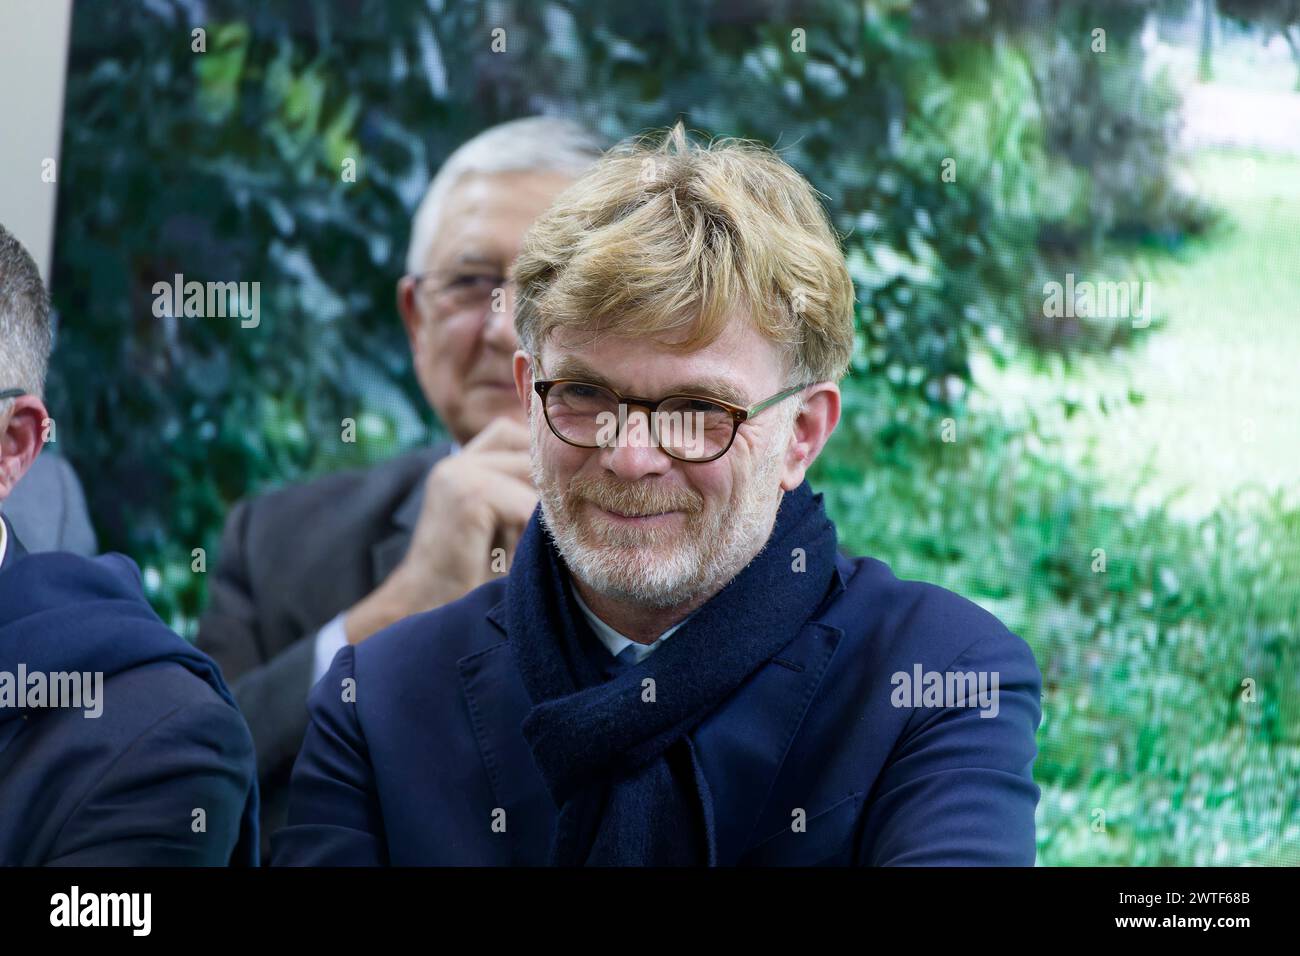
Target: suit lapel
[(387, 553), (497, 698), (742, 745), (498, 704), (13, 548)]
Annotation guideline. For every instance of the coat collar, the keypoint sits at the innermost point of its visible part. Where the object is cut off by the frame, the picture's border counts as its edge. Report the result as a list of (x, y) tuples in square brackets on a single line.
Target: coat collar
[(740, 746), (387, 553), (11, 549)]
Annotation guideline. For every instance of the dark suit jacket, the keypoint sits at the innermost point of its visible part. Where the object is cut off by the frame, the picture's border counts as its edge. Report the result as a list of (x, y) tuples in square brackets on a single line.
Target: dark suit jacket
[(290, 561), (119, 789), (413, 770)]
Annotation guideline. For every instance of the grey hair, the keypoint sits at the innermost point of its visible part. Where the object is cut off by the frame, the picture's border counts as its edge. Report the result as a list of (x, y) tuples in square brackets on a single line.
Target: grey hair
[(25, 338), (535, 143)]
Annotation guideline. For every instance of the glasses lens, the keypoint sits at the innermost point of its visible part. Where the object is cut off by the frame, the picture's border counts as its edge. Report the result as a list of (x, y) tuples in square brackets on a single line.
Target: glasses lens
[(693, 428), (464, 292), (582, 414)]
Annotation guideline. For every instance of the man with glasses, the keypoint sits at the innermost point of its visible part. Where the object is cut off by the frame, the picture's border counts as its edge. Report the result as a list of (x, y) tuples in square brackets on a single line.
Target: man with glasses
[(680, 669), (120, 744), (309, 569)]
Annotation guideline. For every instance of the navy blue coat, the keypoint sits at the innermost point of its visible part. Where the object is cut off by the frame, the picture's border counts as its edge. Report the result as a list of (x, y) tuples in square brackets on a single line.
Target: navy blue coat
[(810, 762), (120, 788)]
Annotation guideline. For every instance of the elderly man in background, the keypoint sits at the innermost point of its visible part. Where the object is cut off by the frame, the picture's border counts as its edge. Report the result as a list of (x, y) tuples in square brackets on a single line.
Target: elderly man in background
[(680, 669), (309, 569)]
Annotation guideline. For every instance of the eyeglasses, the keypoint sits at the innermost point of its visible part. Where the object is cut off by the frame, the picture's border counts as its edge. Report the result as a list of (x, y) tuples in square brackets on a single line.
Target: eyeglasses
[(8, 393), (691, 428), (459, 291)]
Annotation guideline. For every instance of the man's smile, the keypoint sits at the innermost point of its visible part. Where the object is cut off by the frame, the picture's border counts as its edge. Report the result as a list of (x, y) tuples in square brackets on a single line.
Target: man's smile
[(644, 520)]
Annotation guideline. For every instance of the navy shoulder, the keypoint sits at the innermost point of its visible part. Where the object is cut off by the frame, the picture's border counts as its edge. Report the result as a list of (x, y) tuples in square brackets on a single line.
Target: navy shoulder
[(137, 700), (925, 621)]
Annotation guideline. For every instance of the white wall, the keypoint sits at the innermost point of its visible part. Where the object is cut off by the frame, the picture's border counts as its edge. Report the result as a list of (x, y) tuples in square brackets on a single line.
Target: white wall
[(33, 59)]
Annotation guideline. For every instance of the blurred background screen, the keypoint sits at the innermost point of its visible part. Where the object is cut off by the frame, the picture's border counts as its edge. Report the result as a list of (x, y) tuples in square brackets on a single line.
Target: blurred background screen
[(1074, 233)]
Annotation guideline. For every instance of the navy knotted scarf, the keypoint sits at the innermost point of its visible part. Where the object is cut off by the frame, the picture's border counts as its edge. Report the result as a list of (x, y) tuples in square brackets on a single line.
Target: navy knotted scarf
[(622, 770)]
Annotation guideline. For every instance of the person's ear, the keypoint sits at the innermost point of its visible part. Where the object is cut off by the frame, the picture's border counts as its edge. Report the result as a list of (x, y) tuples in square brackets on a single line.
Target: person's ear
[(22, 433), (523, 371), (812, 428), (408, 307)]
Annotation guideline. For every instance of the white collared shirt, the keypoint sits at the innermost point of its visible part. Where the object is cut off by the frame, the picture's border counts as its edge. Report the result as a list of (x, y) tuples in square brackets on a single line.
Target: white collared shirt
[(4, 540), (616, 642)]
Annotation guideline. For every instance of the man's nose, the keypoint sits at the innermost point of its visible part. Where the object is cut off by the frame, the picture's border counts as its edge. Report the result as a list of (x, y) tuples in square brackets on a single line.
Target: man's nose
[(634, 455), (499, 326)]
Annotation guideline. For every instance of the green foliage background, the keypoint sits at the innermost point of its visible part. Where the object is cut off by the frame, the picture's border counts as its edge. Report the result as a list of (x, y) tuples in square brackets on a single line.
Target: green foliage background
[(225, 165)]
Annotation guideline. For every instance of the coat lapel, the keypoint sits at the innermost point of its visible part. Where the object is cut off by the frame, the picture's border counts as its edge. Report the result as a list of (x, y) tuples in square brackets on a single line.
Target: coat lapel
[(387, 553), (13, 548), (743, 744), (498, 704)]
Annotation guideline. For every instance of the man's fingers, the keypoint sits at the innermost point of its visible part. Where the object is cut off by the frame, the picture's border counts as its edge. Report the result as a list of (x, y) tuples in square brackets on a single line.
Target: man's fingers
[(500, 433), (514, 464), (512, 501)]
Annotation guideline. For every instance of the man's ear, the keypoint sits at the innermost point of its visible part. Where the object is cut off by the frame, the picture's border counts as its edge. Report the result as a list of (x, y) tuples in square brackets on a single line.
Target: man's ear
[(812, 427), (409, 310), (523, 369), (21, 438)]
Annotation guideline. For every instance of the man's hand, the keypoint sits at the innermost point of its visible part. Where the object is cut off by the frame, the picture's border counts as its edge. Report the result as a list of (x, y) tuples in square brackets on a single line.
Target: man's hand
[(474, 502)]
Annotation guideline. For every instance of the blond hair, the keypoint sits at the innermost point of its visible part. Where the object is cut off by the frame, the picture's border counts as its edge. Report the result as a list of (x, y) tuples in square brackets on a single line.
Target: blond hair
[(666, 238)]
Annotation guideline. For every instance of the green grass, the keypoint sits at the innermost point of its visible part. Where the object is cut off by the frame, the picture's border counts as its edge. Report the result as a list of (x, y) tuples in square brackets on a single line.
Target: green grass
[(1218, 397), (1148, 753)]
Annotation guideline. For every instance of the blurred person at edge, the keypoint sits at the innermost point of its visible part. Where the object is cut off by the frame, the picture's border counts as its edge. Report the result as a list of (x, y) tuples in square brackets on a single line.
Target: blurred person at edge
[(308, 569), (120, 745), (681, 667)]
